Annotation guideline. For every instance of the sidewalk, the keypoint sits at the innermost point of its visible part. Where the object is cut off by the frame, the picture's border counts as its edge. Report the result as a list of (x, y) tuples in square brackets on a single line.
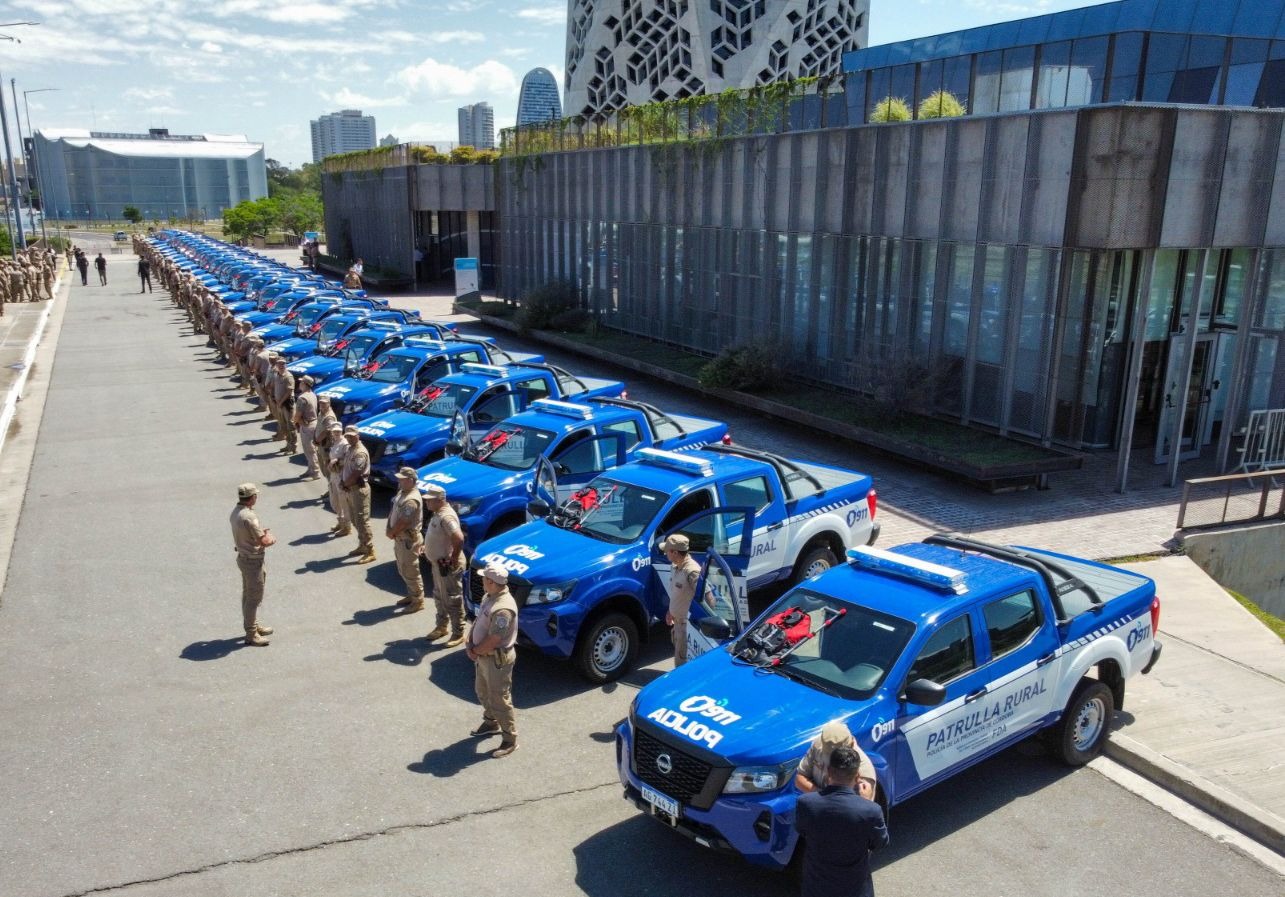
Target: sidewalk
[(1209, 721), (21, 327)]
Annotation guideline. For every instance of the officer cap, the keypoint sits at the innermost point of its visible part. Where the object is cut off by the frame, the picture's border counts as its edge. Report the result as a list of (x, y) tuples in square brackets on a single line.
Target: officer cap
[(306, 381), (676, 542), (246, 490), (335, 428), (432, 490), (835, 734), (407, 473), (496, 574), (273, 356), (323, 400), (277, 359), (351, 430)]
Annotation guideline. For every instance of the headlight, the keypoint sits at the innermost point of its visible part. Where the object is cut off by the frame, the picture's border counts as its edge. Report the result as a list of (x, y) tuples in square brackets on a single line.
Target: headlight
[(464, 508), (396, 448), (550, 594), (756, 779)]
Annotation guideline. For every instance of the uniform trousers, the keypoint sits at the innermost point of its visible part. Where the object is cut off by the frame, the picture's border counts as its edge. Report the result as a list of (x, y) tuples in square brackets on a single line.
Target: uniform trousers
[(359, 514), (406, 551), (679, 636), (448, 595), (493, 682), (339, 498), (253, 576)]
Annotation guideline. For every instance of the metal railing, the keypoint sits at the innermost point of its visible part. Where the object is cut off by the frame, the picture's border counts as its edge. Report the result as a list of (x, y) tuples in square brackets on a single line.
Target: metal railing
[(1264, 442), (1235, 498)]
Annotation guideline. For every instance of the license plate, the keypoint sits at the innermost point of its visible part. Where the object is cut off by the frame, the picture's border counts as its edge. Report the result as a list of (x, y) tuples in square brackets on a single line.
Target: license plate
[(660, 803)]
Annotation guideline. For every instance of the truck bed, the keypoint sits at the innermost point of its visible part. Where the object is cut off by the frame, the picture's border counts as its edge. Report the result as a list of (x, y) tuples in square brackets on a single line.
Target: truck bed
[(595, 386), (829, 478), (1109, 582), (694, 427)]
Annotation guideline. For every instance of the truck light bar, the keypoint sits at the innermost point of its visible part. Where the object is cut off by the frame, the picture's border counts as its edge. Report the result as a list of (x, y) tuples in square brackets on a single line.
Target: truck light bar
[(566, 409), (882, 561), (424, 342), (486, 370), (675, 461)]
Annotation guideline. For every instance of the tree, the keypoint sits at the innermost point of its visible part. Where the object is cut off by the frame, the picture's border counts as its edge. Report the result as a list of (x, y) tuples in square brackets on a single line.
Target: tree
[(941, 104), (890, 109), (300, 211), (251, 218), (132, 214)]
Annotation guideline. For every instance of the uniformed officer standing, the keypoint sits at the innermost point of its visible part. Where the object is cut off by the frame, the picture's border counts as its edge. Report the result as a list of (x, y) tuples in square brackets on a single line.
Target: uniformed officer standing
[(816, 762), (283, 404), (444, 548), (338, 498), (356, 484), (682, 589), (405, 528), (490, 647), (250, 540), (305, 424), (324, 439)]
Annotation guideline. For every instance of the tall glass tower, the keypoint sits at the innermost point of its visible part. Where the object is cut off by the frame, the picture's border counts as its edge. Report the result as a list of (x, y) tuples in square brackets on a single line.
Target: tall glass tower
[(539, 99)]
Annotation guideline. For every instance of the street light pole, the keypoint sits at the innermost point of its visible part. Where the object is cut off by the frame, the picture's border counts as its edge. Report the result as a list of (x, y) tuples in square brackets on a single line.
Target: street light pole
[(15, 202), (22, 148), (35, 157)]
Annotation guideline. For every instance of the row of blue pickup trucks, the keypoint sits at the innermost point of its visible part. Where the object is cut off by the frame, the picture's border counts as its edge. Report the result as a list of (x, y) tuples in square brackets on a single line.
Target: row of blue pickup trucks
[(936, 654)]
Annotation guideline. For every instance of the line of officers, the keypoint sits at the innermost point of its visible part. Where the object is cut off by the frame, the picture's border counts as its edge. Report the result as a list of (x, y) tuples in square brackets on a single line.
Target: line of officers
[(27, 277), (334, 453)]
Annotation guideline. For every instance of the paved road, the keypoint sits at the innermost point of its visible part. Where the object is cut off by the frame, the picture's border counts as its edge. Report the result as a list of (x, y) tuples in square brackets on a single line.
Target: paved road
[(149, 753)]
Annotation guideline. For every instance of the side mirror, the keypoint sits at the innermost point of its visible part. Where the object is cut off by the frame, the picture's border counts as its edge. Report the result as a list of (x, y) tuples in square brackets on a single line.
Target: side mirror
[(454, 449), (715, 628), (925, 693), (538, 508)]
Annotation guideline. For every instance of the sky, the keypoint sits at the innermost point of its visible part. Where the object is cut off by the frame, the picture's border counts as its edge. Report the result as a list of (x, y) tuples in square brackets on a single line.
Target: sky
[(264, 68)]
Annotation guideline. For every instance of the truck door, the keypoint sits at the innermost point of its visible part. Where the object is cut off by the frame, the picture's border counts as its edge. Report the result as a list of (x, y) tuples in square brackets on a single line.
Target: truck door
[(718, 529), (544, 485), (771, 549), (1023, 662), (721, 593), (492, 406), (930, 742), (580, 460)]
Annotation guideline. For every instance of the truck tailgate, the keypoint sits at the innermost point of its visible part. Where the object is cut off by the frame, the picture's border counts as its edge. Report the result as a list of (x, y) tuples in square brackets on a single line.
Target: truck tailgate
[(597, 387), (1123, 593)]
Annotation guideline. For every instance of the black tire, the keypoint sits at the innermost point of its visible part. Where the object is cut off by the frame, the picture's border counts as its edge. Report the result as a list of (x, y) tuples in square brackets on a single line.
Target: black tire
[(1082, 732), (607, 649), (816, 559)]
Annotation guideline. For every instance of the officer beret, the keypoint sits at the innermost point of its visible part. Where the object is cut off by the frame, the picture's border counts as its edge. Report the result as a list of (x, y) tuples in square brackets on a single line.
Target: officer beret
[(676, 542), (496, 574), (407, 473), (835, 734), (246, 490), (432, 490)]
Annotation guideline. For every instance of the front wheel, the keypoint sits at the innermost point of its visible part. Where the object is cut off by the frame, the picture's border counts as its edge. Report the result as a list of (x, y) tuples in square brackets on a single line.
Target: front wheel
[(608, 649), (1084, 727), (815, 561)]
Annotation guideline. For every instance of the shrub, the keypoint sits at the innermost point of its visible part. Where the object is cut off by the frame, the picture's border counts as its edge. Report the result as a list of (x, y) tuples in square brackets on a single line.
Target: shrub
[(891, 109), (941, 104), (542, 304), (753, 366), (494, 309), (573, 320)]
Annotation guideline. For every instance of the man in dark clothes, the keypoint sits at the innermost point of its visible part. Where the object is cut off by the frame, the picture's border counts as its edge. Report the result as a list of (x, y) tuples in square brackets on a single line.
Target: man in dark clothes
[(82, 265), (100, 264), (144, 274), (840, 828)]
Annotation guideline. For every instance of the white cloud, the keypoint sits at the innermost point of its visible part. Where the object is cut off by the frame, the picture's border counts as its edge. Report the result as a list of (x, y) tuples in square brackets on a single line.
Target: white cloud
[(211, 47), (149, 94), (350, 99), (455, 37), (550, 14), (445, 80)]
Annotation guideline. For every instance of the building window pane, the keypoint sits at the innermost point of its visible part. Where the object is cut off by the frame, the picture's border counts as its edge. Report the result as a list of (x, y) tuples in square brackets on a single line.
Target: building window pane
[(854, 93), (956, 77), (1088, 71), (960, 300), (1165, 56), (1015, 84), (802, 311), (902, 85), (925, 279), (1026, 411), (1271, 90), (986, 85), (1125, 59), (991, 328), (880, 81), (1200, 79), (1055, 71), (930, 75), (1246, 72)]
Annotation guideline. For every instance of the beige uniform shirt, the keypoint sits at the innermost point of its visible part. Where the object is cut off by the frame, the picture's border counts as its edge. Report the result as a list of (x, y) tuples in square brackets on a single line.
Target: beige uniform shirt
[(306, 406), (444, 525), (338, 452), (283, 387), (816, 762), (356, 464), (682, 588), (498, 615), (408, 508), (246, 532)]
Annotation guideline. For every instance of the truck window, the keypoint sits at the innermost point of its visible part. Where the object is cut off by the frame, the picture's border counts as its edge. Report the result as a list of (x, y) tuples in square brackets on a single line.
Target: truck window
[(948, 654), (532, 389), (627, 427), (431, 371), (494, 406), (752, 492), (582, 456), (1011, 621), (686, 506), (472, 356)]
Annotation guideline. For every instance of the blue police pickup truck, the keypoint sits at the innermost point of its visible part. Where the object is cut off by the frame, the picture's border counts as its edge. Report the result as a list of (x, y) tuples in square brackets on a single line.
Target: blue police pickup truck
[(590, 578), (470, 401), (391, 375), (298, 320), (323, 337), (490, 482), (936, 655)]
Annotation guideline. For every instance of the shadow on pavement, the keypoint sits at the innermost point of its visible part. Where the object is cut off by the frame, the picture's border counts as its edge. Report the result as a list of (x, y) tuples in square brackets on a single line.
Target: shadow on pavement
[(405, 652), (385, 577), (446, 762), (322, 566), (240, 413), (315, 538), (306, 503), (250, 457), (212, 650), (255, 441), (374, 616), (607, 865)]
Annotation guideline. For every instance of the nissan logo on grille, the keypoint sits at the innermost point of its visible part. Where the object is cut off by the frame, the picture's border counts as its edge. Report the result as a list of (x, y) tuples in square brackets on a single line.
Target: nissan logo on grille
[(664, 764)]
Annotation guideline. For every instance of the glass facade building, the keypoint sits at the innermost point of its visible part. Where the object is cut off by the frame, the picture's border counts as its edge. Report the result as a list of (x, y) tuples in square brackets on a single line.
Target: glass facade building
[(94, 175), (539, 99)]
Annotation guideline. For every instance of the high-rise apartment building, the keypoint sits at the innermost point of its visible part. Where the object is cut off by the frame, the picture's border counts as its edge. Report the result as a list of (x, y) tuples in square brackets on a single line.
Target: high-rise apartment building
[(342, 132), (477, 126), (388, 140), (539, 99), (632, 52)]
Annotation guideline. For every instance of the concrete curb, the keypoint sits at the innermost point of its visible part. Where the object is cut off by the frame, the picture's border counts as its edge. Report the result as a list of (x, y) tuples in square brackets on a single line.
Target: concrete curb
[(1264, 827), (10, 406)]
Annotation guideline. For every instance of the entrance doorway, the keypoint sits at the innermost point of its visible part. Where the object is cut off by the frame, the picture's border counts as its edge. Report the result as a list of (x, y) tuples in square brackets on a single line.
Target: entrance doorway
[(1202, 406)]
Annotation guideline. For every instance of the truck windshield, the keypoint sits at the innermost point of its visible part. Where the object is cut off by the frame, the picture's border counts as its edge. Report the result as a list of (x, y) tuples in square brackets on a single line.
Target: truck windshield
[(355, 351), (510, 447), (394, 368), (610, 510), (308, 316), (441, 399), (848, 653), (331, 329)]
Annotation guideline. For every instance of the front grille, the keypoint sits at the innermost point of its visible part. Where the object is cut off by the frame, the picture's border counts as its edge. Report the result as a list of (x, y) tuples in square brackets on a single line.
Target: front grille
[(337, 406), (374, 445), (685, 780), (519, 588)]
